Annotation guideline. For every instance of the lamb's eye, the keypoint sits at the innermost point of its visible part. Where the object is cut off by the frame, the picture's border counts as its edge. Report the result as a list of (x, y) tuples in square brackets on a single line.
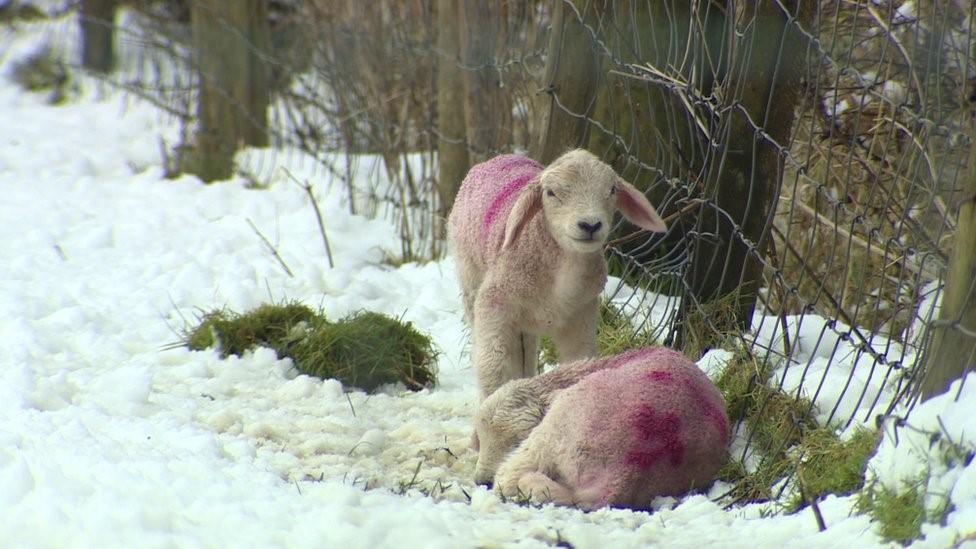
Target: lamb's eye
[(550, 192), (613, 190)]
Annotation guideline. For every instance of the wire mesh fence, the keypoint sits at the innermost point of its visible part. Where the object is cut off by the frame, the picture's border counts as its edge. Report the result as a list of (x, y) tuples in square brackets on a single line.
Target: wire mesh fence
[(810, 159)]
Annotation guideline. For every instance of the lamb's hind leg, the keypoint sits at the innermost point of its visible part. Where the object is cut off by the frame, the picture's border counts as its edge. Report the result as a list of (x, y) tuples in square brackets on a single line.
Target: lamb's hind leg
[(539, 488), (522, 475)]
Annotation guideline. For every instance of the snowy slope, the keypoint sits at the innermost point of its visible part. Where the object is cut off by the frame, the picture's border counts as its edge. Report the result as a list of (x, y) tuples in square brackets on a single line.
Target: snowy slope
[(108, 439)]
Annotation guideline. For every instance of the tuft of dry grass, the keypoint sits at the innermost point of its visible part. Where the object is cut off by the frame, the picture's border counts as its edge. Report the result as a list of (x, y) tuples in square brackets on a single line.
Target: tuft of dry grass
[(864, 216)]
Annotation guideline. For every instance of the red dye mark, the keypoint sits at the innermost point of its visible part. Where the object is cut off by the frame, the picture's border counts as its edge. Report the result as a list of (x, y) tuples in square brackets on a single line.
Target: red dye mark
[(660, 377), (715, 416), (656, 438), (503, 198), (709, 408)]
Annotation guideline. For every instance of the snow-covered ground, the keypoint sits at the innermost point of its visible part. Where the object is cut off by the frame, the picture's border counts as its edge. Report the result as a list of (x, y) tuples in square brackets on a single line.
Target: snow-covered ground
[(109, 439)]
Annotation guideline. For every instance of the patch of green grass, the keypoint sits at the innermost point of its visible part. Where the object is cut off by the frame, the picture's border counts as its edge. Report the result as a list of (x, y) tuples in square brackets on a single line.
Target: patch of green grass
[(778, 419), (364, 350), (831, 466), (44, 71), (899, 515), (268, 325), (614, 334), (789, 440), (702, 325), (367, 350)]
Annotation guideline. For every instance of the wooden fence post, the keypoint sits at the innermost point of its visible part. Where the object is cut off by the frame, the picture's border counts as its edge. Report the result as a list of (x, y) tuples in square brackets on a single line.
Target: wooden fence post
[(230, 39), (452, 150), (572, 77), (952, 352), (97, 34), (744, 180)]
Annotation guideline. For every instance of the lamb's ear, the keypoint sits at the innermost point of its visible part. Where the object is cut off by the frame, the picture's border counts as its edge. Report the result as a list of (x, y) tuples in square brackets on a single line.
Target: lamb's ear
[(637, 209), (528, 204)]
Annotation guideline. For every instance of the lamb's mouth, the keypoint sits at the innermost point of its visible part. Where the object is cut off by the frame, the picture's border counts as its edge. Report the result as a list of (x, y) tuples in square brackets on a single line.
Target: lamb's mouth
[(585, 240)]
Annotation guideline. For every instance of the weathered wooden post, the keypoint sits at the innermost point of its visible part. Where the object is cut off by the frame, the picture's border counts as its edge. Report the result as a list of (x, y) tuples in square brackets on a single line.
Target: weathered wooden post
[(452, 149), (952, 352), (230, 39), (572, 77), (743, 180), (97, 35)]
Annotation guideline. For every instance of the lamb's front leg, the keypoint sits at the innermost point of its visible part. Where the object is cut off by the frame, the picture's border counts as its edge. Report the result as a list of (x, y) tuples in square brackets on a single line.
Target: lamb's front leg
[(498, 345), (576, 338)]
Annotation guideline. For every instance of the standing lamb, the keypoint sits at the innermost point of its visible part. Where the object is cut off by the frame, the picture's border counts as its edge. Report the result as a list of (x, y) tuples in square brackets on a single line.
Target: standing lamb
[(528, 242), (643, 424)]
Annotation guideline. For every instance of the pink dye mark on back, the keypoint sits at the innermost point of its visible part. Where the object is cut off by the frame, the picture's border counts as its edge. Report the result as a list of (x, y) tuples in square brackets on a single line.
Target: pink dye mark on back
[(510, 161), (715, 416), (660, 377), (502, 199), (709, 408), (656, 437)]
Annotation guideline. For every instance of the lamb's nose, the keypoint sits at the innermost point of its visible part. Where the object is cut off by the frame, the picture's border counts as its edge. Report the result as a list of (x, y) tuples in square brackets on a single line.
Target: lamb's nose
[(487, 483), (590, 227)]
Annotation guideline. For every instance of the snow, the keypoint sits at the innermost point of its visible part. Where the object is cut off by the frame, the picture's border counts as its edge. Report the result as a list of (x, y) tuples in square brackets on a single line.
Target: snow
[(110, 438)]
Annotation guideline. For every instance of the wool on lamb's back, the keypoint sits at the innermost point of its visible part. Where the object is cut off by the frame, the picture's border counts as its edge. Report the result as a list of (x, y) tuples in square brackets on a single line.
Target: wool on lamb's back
[(647, 428), (484, 201), (635, 426)]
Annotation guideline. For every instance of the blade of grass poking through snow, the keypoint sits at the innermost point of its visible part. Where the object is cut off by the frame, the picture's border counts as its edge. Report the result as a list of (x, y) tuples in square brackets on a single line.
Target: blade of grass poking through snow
[(307, 187), (271, 247)]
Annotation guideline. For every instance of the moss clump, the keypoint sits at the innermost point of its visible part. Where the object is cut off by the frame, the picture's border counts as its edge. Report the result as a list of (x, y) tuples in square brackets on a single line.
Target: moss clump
[(365, 350), (43, 71), (614, 334), (268, 325), (832, 466), (900, 515)]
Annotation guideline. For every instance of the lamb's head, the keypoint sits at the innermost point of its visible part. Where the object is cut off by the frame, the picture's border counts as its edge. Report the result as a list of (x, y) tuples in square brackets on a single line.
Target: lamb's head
[(577, 194), (503, 421)]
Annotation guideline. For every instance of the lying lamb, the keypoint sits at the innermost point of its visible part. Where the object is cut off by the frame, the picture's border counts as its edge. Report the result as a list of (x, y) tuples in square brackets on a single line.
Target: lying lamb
[(529, 248), (638, 425)]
